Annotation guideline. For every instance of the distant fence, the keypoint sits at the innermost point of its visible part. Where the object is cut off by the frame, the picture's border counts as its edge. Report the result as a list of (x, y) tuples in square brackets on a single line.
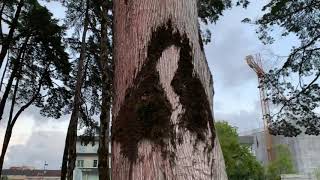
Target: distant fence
[(297, 177)]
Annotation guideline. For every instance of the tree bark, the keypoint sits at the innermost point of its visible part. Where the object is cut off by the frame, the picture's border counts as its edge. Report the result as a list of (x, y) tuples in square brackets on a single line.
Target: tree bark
[(103, 151), (72, 129), (9, 38), (163, 125), (4, 72), (1, 13), (64, 164), (104, 140)]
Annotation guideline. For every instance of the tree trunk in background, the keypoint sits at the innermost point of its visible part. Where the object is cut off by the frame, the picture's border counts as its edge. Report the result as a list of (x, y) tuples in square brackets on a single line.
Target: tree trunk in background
[(162, 113), (103, 151), (4, 72), (8, 133), (9, 38), (13, 119), (16, 63), (64, 164), (1, 13), (71, 138)]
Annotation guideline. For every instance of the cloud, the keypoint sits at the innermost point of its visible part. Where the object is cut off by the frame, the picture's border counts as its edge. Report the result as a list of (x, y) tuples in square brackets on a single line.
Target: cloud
[(228, 62), (35, 139), (232, 41), (243, 120), (40, 147)]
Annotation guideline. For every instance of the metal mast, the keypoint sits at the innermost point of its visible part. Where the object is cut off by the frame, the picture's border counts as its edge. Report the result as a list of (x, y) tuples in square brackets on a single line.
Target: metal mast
[(256, 64)]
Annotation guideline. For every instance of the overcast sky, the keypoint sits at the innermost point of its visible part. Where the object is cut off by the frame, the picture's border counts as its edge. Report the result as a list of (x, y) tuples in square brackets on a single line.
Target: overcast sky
[(36, 139)]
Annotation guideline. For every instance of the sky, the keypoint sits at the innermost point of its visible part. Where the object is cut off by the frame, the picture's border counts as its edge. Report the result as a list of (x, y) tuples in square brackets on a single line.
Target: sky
[(37, 139)]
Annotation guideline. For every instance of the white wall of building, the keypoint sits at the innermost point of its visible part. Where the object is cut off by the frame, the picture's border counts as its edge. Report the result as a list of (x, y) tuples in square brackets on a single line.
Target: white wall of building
[(86, 155), (305, 149)]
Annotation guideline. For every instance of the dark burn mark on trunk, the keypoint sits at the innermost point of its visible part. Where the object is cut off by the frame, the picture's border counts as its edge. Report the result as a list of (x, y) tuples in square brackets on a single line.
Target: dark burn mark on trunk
[(146, 111), (186, 84)]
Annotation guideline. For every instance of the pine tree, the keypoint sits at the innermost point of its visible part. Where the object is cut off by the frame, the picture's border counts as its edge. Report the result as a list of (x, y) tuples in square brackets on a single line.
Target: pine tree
[(294, 86), (39, 68)]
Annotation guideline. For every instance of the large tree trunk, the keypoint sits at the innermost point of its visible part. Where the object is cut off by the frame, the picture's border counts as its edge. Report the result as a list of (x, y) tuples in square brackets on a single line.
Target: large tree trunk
[(104, 140), (163, 124)]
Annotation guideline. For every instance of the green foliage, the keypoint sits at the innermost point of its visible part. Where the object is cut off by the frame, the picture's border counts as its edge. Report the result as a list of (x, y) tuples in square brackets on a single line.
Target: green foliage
[(39, 66), (4, 178), (316, 173), (92, 85), (240, 163), (294, 87), (44, 63), (283, 163), (211, 10), (38, 61)]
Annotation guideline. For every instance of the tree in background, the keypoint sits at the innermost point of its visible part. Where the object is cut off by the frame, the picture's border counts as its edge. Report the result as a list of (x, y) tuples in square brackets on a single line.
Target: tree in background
[(103, 11), (282, 164), (316, 173), (240, 163), (39, 67), (97, 69), (69, 154), (9, 13), (294, 86)]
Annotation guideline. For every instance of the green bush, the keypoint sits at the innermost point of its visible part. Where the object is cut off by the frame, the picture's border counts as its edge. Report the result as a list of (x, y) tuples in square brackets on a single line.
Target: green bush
[(240, 163)]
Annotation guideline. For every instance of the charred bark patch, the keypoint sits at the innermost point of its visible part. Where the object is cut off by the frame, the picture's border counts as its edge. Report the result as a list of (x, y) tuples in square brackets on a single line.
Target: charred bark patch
[(146, 111), (197, 111), (144, 115)]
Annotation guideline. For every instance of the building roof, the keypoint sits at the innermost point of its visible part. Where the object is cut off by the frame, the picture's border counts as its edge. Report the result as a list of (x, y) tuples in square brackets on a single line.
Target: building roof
[(31, 172)]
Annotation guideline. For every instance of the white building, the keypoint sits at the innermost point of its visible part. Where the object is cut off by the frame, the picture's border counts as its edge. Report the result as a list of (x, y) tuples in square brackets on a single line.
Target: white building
[(87, 161), (305, 151)]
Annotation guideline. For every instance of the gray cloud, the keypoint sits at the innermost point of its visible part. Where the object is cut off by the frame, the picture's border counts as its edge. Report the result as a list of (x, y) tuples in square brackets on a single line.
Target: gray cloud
[(232, 41), (40, 147), (226, 57), (243, 120)]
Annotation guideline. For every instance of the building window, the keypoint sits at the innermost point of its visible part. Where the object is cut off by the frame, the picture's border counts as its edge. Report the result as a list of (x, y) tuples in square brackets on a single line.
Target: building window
[(95, 163), (80, 163)]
